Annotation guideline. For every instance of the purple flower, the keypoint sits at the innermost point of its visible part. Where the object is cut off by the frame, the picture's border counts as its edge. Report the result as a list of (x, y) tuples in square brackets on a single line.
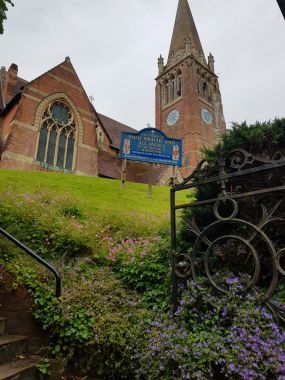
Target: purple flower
[(231, 281), (225, 310)]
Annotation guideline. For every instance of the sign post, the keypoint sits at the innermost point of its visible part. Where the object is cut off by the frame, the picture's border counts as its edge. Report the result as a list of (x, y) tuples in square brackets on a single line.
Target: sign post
[(123, 173), (150, 176), (153, 146)]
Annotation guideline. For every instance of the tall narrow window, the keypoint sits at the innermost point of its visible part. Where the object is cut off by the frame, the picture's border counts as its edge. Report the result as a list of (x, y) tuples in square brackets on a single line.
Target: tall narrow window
[(166, 93), (179, 84), (57, 136), (172, 89), (100, 138), (205, 90)]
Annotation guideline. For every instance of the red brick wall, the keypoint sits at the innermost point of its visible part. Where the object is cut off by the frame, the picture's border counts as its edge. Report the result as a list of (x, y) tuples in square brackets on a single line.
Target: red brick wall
[(16, 305), (190, 126), (25, 124)]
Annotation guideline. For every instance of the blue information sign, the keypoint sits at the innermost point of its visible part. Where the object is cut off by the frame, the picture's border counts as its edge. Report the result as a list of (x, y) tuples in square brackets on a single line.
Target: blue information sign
[(151, 145)]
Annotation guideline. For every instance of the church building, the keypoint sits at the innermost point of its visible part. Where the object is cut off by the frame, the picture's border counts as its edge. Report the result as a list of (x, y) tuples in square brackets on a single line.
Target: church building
[(188, 99), (49, 123)]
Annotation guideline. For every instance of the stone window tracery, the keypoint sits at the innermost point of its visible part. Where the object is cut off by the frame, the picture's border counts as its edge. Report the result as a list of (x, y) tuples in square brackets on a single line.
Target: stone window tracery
[(204, 87), (57, 136), (172, 87)]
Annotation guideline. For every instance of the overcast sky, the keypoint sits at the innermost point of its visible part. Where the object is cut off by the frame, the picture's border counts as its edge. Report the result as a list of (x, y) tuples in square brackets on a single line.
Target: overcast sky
[(114, 46)]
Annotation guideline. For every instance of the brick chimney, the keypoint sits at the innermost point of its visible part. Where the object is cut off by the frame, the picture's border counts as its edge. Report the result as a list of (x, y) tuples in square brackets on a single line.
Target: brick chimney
[(9, 87)]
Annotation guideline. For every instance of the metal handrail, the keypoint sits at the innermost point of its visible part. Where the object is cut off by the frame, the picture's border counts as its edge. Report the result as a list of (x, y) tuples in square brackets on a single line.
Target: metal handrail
[(36, 257)]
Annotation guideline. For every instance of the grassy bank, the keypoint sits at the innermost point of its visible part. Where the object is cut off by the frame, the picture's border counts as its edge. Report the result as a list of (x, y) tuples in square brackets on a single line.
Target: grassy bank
[(91, 193)]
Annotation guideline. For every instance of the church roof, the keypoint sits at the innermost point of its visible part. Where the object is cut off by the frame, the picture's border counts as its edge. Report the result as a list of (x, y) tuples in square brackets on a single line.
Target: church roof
[(20, 84), (114, 129), (13, 91), (184, 28)]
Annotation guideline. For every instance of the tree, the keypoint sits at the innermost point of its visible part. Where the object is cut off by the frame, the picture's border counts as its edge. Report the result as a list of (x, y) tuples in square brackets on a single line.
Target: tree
[(3, 10)]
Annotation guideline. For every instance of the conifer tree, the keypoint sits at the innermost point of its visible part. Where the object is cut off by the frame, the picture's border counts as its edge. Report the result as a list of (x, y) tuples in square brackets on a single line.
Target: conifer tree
[(3, 10)]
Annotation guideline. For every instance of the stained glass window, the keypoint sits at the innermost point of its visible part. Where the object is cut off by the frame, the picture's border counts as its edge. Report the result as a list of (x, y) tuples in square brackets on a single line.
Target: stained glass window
[(57, 137)]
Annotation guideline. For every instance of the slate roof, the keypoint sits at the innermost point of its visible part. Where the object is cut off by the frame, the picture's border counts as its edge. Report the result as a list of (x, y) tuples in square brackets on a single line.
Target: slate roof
[(114, 129)]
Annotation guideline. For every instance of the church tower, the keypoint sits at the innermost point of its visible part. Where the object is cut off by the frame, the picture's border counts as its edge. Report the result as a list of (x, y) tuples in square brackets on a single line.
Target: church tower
[(188, 100)]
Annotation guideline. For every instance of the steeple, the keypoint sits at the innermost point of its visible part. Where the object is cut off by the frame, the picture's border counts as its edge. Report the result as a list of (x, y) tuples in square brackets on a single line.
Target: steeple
[(188, 104), (185, 35)]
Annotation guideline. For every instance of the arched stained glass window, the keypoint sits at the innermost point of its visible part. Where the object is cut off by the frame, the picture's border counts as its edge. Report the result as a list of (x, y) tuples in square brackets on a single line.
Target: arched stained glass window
[(57, 136)]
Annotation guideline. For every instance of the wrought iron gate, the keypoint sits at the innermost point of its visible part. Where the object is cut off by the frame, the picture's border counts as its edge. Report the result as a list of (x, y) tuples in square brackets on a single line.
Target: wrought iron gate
[(239, 232)]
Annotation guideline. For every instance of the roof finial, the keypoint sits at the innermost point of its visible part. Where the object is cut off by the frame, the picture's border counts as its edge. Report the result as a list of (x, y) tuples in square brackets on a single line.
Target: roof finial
[(211, 62), (160, 64)]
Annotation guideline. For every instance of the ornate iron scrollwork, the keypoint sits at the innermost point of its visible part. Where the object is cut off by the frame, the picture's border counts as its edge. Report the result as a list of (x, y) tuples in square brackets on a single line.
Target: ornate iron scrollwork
[(234, 245)]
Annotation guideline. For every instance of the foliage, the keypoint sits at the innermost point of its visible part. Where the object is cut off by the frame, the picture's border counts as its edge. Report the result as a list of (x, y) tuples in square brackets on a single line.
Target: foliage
[(58, 226), (236, 339), (43, 368), (264, 139), (109, 332), (41, 222), (113, 320), (97, 321), (3, 10), (143, 265)]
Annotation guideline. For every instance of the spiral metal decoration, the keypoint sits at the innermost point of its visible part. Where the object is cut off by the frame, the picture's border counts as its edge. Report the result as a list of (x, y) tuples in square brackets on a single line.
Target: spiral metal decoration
[(232, 244)]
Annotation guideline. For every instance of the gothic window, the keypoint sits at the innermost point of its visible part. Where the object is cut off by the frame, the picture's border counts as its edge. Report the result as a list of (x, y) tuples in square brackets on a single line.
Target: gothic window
[(166, 93), (100, 138), (201, 87), (205, 90), (179, 84), (198, 87), (57, 136), (210, 89), (172, 89)]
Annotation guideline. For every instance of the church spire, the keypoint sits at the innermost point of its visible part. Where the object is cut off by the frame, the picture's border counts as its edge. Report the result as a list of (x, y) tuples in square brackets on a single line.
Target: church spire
[(185, 35)]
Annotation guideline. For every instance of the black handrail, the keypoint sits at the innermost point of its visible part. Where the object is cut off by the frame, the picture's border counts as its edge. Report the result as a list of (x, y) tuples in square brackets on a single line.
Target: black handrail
[(36, 257)]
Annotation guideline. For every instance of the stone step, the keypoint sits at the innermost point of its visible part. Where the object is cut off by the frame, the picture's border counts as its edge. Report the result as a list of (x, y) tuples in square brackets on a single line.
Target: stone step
[(10, 346), (20, 369), (2, 325)]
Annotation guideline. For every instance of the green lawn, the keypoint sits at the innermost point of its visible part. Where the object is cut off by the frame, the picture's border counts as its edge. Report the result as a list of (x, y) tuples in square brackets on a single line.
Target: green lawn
[(93, 194)]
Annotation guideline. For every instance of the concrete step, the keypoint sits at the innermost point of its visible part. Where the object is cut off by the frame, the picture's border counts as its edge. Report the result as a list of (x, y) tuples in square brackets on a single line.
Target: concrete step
[(2, 325), (10, 346), (23, 368)]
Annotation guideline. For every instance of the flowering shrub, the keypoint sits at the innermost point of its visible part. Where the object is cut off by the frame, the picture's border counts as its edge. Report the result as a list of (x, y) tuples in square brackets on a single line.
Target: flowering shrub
[(143, 265), (103, 328), (236, 340), (138, 262), (52, 225)]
